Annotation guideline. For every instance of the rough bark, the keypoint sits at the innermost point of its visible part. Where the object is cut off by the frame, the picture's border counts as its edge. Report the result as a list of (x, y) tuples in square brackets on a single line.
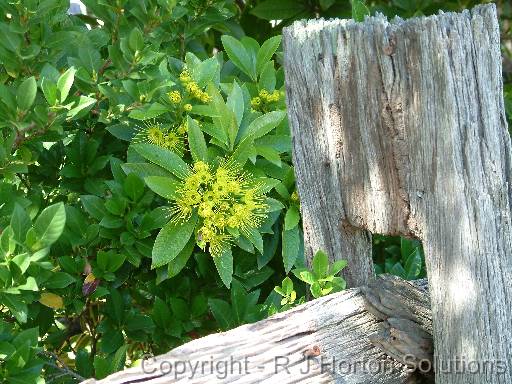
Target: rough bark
[(337, 326), (399, 128)]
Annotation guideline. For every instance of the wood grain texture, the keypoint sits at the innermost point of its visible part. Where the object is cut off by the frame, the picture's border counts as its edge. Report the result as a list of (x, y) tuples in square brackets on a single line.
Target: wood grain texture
[(399, 128), (339, 325)]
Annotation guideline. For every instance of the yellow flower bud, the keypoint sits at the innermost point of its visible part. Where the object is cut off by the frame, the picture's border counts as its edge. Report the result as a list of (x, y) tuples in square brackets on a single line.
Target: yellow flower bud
[(205, 98), (174, 97), (187, 107), (256, 101), (263, 94)]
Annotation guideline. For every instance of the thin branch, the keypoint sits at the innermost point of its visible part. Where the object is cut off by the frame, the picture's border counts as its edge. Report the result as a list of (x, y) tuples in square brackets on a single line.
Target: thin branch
[(63, 368)]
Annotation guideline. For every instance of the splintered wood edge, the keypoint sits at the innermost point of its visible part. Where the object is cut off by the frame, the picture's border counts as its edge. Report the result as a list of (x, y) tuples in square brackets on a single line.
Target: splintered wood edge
[(336, 327)]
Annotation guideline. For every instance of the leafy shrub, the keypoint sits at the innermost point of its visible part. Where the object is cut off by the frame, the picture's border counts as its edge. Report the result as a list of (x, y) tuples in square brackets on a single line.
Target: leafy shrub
[(147, 195)]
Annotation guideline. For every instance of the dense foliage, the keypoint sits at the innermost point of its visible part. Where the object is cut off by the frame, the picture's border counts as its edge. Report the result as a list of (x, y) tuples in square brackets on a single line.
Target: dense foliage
[(147, 194)]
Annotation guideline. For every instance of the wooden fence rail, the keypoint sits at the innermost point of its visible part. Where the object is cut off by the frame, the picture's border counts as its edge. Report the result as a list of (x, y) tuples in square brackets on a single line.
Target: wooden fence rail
[(343, 338)]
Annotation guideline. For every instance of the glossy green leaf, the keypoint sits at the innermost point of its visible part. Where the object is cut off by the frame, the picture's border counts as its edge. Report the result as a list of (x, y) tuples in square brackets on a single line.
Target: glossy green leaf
[(292, 218), (320, 264), (136, 40), (20, 223), (171, 240), (239, 55), (290, 247), (50, 224), (224, 265), (164, 186), (222, 313), (65, 82), (265, 123), (164, 158), (133, 186), (26, 93), (266, 52), (359, 10), (196, 141), (59, 280)]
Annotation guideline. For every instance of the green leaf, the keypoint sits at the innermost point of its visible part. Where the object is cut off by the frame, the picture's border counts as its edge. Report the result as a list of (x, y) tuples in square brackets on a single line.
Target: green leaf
[(337, 266), (180, 261), (287, 285), (264, 124), (273, 205), (148, 111), (136, 40), (413, 265), (224, 265), (254, 236), (65, 82), (26, 337), (49, 90), (236, 102), (20, 223), (292, 218), (30, 285), (110, 261), (398, 270), (122, 131), (16, 306), (164, 158), (278, 10), (359, 10), (161, 313), (102, 366), (339, 283), (222, 313), (50, 224), (205, 71), (266, 52), (93, 205), (145, 169), (26, 93), (320, 264), (239, 56), (171, 240), (119, 359), (316, 290), (326, 4), (196, 141), (59, 280), (133, 186), (163, 186), (307, 277), (290, 247), (238, 301), (226, 119), (243, 151), (83, 363), (84, 103), (268, 77)]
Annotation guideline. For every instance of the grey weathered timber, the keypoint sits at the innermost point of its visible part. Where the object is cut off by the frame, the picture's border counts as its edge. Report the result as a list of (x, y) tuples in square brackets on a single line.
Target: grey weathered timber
[(281, 349), (399, 128)]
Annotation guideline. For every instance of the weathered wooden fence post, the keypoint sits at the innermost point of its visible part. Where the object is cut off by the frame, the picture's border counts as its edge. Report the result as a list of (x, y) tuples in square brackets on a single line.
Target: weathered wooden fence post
[(399, 128)]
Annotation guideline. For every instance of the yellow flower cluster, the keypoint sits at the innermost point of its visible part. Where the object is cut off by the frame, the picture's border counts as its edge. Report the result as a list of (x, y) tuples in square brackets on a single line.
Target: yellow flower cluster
[(174, 97), (192, 88), (183, 128), (152, 133), (224, 201), (265, 97)]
